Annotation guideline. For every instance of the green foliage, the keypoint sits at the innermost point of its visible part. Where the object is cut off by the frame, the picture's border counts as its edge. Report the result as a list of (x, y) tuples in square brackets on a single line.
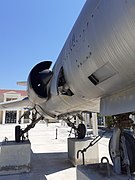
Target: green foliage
[(109, 121)]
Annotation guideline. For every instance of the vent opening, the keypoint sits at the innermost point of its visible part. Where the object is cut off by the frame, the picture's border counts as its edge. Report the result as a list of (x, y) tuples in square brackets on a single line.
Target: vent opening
[(103, 73)]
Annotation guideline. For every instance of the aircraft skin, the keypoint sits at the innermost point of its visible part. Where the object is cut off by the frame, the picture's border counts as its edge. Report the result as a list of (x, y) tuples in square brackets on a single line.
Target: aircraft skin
[(95, 70)]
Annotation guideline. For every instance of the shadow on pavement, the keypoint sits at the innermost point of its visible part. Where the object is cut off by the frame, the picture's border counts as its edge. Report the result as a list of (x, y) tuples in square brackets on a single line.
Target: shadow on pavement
[(48, 163), (42, 164)]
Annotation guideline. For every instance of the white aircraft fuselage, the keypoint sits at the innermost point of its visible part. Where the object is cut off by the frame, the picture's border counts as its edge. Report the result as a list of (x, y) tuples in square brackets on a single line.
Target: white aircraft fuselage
[(95, 71)]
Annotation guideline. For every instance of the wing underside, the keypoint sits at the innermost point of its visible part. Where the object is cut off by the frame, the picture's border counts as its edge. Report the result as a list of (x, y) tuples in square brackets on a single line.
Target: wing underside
[(17, 103)]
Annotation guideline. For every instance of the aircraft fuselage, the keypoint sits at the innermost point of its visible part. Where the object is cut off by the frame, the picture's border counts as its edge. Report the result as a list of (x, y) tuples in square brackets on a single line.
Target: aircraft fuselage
[(98, 58)]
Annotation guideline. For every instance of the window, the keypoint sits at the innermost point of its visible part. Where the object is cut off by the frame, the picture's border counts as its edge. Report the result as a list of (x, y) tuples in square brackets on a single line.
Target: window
[(11, 99)]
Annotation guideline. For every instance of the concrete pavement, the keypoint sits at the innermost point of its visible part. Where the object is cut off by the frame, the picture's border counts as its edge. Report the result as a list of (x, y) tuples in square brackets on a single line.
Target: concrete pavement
[(49, 155)]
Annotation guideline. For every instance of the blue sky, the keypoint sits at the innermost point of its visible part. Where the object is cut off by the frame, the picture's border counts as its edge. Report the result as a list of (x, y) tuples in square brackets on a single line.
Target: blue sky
[(32, 31)]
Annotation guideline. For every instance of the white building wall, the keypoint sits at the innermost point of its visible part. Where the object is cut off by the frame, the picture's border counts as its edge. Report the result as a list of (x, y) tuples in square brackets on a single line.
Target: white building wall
[(19, 111)]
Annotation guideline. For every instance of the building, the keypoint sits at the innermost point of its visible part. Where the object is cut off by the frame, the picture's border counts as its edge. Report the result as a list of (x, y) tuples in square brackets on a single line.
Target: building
[(12, 115)]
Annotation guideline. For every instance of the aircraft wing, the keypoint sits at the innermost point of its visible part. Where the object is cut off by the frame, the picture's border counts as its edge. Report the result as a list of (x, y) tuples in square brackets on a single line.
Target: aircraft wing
[(17, 103), (22, 83)]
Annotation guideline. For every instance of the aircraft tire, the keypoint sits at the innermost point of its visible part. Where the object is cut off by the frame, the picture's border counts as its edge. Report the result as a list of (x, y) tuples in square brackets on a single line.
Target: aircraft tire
[(17, 133), (81, 131), (130, 144)]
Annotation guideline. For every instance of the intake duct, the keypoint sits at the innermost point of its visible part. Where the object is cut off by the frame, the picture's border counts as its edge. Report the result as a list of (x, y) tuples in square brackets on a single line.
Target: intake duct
[(38, 80)]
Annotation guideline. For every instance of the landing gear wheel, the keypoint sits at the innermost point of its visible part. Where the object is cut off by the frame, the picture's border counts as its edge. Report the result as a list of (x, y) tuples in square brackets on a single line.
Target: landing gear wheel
[(17, 133), (81, 131), (130, 144)]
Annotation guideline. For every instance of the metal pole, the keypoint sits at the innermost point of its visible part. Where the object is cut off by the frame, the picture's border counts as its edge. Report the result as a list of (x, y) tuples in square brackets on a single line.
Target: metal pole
[(56, 133)]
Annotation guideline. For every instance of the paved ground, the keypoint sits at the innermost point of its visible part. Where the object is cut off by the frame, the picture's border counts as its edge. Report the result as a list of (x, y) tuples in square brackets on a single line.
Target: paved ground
[(49, 155)]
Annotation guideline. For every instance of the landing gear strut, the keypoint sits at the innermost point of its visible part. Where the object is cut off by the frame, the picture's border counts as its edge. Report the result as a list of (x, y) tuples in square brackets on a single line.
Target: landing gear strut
[(80, 131), (125, 162), (19, 133), (122, 146)]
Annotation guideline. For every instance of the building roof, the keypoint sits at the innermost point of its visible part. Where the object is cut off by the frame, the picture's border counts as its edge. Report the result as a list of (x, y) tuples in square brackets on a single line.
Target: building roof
[(22, 92)]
